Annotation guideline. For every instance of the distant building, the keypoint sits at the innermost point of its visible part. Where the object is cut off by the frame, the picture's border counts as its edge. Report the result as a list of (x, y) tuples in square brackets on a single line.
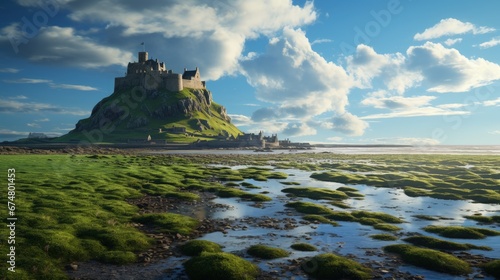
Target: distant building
[(176, 129), (152, 75), (37, 135)]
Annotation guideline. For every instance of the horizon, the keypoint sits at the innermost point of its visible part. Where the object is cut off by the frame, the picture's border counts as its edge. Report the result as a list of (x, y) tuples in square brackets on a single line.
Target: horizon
[(395, 72)]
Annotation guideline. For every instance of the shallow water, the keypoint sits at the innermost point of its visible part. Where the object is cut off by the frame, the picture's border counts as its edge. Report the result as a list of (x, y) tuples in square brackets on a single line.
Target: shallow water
[(348, 238)]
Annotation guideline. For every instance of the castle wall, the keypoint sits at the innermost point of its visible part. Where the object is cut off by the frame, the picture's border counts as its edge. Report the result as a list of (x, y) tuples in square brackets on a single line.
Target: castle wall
[(150, 81), (196, 84), (172, 82)]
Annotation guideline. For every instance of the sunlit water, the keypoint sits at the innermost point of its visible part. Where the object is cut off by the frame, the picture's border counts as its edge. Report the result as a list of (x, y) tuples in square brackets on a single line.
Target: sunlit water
[(348, 238)]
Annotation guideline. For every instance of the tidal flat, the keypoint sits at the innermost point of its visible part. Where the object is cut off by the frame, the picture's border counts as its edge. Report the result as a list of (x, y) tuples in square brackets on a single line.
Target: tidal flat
[(117, 216)]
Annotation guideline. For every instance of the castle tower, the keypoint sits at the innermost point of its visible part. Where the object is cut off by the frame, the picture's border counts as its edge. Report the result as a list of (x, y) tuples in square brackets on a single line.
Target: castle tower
[(143, 57)]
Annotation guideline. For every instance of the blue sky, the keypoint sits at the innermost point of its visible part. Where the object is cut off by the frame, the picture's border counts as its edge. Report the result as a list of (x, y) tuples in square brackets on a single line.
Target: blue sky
[(359, 71)]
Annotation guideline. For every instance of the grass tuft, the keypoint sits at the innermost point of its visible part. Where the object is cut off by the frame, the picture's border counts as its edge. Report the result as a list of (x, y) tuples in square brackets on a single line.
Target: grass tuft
[(196, 247), (168, 222), (331, 266), (266, 252), (221, 266)]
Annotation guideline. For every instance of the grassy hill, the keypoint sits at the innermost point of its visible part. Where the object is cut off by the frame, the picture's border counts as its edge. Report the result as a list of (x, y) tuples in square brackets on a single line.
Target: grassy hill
[(132, 115)]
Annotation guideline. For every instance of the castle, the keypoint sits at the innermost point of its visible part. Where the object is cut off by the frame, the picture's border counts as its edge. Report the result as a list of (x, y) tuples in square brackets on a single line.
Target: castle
[(153, 75)]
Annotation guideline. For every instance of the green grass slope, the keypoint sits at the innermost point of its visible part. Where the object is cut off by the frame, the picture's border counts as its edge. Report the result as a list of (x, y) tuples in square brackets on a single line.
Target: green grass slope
[(133, 114)]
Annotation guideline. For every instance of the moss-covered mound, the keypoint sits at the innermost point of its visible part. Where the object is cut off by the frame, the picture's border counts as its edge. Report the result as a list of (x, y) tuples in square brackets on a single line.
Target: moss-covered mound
[(331, 266), (319, 219), (316, 193), (196, 247), (304, 247), (266, 252), (232, 192), (462, 232), (430, 259), (438, 244), (384, 237), (484, 219), (220, 266), (309, 208), (386, 227), (384, 217), (493, 268)]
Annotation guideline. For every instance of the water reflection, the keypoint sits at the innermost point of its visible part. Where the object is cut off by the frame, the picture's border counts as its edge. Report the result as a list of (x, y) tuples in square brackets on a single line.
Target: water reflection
[(348, 238)]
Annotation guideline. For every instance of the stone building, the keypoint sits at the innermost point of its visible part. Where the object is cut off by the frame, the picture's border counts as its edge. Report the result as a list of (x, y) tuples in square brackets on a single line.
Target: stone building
[(152, 75)]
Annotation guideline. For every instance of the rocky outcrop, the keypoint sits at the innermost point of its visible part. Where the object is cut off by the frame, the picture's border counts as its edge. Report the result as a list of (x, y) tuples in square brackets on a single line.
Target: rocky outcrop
[(182, 107)]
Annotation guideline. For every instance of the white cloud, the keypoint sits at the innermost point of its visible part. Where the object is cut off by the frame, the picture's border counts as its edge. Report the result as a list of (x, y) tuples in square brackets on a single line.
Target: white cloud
[(8, 133), (438, 68), (495, 132), (51, 84), (35, 125), (321, 41), (33, 107), (28, 81), (452, 106), (491, 43), (301, 85), (366, 65), (210, 35), (74, 87), (9, 70), (447, 70), (416, 112), (299, 129), (61, 45), (18, 97), (348, 124), (397, 102), (489, 103), (450, 27), (451, 42)]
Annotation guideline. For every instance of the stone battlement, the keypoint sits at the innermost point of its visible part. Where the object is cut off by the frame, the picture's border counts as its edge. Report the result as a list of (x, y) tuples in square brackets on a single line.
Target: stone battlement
[(154, 75)]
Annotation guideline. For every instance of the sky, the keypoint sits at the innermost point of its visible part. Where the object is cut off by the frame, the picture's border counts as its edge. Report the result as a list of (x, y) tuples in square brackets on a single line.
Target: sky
[(358, 71)]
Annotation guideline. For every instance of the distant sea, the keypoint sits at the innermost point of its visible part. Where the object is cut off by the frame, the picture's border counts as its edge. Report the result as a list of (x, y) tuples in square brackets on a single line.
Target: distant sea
[(356, 150)]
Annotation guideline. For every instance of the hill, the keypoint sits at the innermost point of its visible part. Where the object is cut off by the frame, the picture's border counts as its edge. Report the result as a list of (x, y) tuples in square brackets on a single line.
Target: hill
[(133, 114)]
